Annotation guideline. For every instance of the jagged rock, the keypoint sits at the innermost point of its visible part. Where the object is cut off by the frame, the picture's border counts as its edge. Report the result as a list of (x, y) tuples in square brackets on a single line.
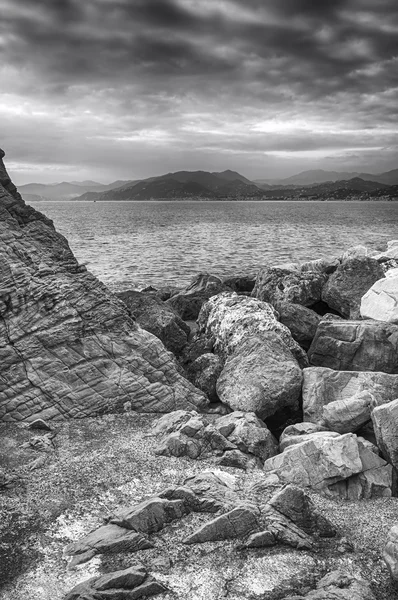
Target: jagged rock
[(339, 585), (39, 424), (322, 386), (68, 347), (212, 490), (355, 346), (155, 316), (390, 552), (279, 530), (351, 280), (228, 320), (349, 414), (380, 302), (108, 538), (240, 283), (385, 424), (172, 421), (321, 462), (390, 252), (129, 584), (301, 321), (289, 284), (204, 372), (150, 515), (248, 433), (297, 506), (292, 440), (188, 302), (261, 377), (236, 523)]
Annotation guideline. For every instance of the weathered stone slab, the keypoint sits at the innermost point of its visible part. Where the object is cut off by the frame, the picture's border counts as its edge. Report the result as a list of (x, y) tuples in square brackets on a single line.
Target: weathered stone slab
[(385, 424), (381, 301), (355, 346)]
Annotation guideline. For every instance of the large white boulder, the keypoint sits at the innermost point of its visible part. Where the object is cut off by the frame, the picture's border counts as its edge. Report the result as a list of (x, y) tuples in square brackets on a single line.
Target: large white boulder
[(381, 301)]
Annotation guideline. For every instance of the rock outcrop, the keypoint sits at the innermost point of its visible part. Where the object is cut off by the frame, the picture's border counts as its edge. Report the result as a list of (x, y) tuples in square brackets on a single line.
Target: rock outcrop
[(385, 424), (339, 585), (68, 347), (355, 346), (288, 283)]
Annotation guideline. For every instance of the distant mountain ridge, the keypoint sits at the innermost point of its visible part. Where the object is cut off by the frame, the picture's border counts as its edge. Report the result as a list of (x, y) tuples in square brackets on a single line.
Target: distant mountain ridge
[(65, 190), (321, 176)]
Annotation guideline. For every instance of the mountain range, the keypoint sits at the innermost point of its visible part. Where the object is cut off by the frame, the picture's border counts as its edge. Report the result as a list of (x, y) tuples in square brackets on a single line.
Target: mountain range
[(223, 185)]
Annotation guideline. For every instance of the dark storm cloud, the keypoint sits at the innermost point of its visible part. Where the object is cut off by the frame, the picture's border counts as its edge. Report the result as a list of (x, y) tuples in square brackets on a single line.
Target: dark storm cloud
[(190, 69)]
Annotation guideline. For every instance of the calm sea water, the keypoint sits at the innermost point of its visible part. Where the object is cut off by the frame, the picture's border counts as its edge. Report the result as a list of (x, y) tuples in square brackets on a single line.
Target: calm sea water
[(134, 244)]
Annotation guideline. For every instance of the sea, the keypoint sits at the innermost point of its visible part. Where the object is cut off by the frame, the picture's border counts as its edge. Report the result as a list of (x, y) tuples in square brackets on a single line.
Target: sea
[(131, 245)]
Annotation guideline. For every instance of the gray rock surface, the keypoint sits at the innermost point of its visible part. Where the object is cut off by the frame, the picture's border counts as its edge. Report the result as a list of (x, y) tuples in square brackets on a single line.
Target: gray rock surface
[(355, 346), (301, 321), (339, 585), (385, 425), (345, 287), (380, 302), (349, 414), (322, 386), (68, 347), (204, 371), (289, 284), (248, 433), (328, 464), (155, 316)]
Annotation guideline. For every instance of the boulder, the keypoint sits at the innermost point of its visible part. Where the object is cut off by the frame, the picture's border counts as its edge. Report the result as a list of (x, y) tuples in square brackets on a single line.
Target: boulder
[(188, 302), (68, 346), (261, 377), (155, 316), (380, 302), (328, 464), (351, 280), (301, 321), (296, 433), (355, 346), (248, 433), (150, 515), (239, 460), (297, 506), (289, 284), (291, 440), (228, 320), (322, 386), (204, 372), (349, 414), (390, 552), (390, 252), (130, 584), (385, 425), (236, 523)]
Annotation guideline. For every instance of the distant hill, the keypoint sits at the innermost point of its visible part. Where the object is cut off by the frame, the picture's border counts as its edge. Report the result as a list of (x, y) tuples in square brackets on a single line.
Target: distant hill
[(184, 185), (321, 176), (65, 190)]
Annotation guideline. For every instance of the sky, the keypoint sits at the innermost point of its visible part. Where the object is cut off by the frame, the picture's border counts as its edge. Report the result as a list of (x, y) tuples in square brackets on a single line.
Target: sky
[(127, 89)]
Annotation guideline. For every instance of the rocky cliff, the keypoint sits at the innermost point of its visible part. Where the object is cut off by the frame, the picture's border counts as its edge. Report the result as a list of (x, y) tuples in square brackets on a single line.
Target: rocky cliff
[(68, 347)]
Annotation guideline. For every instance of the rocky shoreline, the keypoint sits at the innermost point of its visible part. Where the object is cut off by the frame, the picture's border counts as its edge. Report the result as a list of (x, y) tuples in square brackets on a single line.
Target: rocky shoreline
[(279, 401)]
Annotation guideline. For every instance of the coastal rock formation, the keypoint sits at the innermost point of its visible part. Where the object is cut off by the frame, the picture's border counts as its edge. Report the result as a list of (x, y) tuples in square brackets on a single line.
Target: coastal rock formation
[(322, 386), (345, 287), (289, 284), (338, 465), (385, 424), (355, 346), (68, 347), (381, 301), (188, 302), (155, 316)]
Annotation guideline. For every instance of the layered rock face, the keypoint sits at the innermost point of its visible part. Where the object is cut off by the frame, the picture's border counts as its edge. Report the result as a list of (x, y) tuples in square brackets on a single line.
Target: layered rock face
[(68, 347)]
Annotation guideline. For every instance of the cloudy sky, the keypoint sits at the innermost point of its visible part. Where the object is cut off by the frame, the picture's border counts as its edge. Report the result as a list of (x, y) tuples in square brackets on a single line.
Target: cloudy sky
[(109, 89)]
